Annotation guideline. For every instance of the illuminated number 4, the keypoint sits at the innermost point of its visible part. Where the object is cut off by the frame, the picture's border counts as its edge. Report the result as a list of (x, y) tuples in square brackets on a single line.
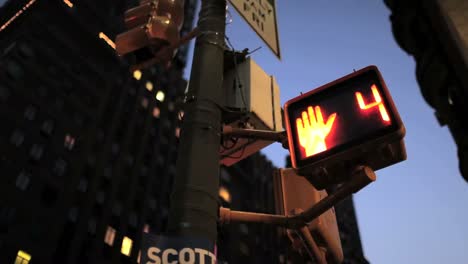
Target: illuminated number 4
[(377, 103)]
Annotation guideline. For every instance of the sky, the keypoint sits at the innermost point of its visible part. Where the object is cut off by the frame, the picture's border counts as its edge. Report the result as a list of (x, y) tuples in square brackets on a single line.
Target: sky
[(416, 210)]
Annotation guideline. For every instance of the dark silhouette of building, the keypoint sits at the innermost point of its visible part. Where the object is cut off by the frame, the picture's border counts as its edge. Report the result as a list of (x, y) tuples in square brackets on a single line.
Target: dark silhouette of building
[(88, 149), (435, 33)]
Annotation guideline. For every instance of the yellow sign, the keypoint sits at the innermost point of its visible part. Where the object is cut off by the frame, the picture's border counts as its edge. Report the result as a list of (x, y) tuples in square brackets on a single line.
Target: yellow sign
[(261, 16)]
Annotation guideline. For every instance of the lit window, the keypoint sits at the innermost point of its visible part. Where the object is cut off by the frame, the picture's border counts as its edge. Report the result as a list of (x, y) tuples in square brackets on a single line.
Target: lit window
[(149, 86), (146, 228), (177, 132), (144, 103), (110, 236), (69, 142), (126, 248), (22, 258), (156, 112), (160, 96), (137, 74), (16, 15), (68, 3), (224, 194), (107, 39), (180, 116), (139, 256)]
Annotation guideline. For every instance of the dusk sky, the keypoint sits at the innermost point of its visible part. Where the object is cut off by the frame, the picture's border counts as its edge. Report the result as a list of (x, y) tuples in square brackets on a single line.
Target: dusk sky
[(416, 210)]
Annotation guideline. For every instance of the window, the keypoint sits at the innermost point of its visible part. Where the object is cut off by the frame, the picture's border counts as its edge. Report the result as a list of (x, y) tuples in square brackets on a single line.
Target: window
[(146, 228), (17, 138), (224, 194), (115, 149), (47, 127), (69, 142), (127, 244), (152, 204), (22, 181), (137, 74), (244, 249), (4, 93), (92, 226), (149, 86), (180, 115), (117, 209), (110, 236), (156, 112), (83, 185), (108, 172), (60, 167), (170, 106), (22, 257), (73, 214), (15, 70), (36, 152), (144, 103), (133, 219), (30, 113), (100, 197), (160, 96)]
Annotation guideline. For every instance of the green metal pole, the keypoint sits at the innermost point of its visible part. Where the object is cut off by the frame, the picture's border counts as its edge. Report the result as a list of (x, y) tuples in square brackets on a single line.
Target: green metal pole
[(194, 201)]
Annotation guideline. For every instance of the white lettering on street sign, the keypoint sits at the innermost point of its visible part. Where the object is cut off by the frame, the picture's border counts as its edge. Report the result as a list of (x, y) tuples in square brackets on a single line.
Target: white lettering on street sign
[(183, 256), (261, 16)]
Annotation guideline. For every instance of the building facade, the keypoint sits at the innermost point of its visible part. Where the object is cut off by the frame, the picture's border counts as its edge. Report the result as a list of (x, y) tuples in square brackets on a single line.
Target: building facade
[(88, 149), (435, 33)]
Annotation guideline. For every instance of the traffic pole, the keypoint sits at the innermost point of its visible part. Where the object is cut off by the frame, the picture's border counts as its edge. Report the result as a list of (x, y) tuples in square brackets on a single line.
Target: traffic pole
[(194, 201)]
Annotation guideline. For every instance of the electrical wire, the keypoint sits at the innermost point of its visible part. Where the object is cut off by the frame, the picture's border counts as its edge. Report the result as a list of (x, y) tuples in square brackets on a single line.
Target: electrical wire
[(238, 80)]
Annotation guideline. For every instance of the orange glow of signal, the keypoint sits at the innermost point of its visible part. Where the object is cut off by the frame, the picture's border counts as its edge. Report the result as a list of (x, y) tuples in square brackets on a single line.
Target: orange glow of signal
[(312, 130), (378, 102)]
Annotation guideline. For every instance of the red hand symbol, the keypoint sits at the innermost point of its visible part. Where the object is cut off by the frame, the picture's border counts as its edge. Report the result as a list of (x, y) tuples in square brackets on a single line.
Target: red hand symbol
[(312, 130)]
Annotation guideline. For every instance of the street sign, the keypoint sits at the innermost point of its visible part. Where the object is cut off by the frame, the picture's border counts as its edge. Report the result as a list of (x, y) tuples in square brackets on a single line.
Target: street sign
[(157, 249), (349, 121), (261, 16)]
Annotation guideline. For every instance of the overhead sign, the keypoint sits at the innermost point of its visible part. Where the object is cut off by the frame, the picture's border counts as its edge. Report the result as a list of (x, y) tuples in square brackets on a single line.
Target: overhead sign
[(350, 120), (261, 16)]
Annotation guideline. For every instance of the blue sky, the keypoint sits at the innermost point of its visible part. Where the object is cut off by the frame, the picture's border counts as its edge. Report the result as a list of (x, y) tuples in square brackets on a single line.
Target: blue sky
[(416, 210)]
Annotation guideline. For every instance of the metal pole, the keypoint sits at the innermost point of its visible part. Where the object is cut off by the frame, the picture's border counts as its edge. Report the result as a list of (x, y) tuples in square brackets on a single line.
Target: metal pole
[(318, 253), (360, 178), (194, 201)]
